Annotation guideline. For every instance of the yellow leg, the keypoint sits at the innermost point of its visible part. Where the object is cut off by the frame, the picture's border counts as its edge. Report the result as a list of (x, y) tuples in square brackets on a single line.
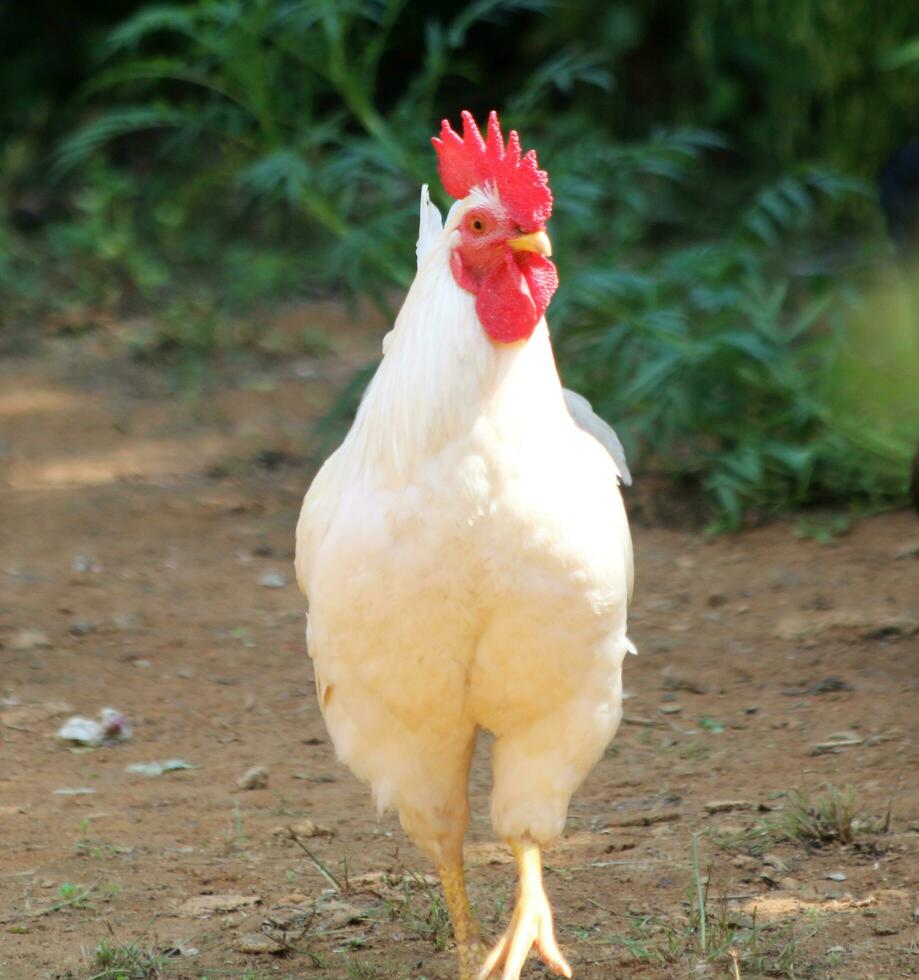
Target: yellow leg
[(465, 927), (531, 923)]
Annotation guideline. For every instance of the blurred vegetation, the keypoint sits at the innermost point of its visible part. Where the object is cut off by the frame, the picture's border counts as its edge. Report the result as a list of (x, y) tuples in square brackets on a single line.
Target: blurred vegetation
[(727, 298)]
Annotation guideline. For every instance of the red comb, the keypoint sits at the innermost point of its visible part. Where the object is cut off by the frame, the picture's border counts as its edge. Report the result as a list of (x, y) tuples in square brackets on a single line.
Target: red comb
[(469, 161)]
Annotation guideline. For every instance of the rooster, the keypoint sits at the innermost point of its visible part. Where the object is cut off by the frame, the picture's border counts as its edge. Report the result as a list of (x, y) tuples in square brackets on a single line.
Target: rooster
[(466, 553)]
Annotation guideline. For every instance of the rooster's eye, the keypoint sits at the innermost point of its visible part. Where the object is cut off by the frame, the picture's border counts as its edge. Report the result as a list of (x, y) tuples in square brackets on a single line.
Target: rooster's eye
[(477, 225)]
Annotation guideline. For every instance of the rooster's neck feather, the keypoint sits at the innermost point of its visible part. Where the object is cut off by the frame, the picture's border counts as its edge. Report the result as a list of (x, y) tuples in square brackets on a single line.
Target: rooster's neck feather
[(441, 374)]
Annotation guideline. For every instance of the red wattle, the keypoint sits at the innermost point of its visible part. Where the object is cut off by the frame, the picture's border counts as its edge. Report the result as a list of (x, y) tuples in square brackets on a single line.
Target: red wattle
[(503, 303), (542, 278), (513, 297)]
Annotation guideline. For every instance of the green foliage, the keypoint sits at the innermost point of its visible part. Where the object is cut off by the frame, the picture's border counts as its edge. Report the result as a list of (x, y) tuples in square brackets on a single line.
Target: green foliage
[(797, 80), (705, 308)]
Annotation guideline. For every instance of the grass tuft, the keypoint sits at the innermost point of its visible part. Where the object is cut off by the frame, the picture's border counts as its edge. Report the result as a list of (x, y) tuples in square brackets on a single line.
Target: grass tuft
[(125, 961)]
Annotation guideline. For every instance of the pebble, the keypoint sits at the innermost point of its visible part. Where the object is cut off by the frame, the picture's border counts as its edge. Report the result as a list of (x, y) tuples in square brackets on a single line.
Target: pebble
[(30, 639), (272, 580), (836, 876), (254, 778), (303, 829), (257, 943), (670, 709)]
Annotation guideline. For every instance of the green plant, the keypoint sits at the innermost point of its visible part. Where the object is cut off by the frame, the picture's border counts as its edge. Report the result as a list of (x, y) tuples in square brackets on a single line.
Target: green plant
[(422, 908), (125, 961), (830, 817), (290, 95), (72, 895), (708, 310), (826, 819)]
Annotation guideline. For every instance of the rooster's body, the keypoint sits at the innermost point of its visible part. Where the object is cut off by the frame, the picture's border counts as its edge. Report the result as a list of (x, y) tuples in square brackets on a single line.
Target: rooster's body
[(468, 564)]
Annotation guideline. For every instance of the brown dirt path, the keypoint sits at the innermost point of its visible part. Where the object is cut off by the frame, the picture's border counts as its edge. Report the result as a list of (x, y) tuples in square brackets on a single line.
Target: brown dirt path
[(136, 526)]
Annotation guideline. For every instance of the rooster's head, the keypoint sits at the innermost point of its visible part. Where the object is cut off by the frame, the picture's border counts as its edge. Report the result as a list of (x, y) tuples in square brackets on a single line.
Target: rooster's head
[(502, 249)]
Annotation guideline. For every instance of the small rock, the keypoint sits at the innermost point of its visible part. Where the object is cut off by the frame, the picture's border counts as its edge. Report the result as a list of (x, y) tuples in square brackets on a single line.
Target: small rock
[(670, 709), (294, 898), (30, 639), (81, 629), (257, 943), (789, 884), (303, 829), (272, 580), (745, 862), (836, 950), (254, 778), (774, 861), (836, 876), (620, 844), (886, 925), (909, 549), (342, 914), (209, 904), (727, 806), (82, 564), (186, 673)]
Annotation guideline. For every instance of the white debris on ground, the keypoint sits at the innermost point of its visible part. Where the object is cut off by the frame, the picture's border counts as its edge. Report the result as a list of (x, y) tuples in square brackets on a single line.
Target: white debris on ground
[(112, 726)]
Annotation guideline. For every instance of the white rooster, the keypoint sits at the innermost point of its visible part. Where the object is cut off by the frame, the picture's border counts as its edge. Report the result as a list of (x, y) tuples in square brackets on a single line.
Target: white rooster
[(466, 552)]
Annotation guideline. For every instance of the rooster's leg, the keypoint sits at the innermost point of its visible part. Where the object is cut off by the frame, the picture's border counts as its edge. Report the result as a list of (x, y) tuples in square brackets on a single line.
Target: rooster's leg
[(531, 923), (465, 927)]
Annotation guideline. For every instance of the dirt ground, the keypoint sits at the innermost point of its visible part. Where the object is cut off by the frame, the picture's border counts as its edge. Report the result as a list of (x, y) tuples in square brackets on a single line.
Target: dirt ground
[(147, 536)]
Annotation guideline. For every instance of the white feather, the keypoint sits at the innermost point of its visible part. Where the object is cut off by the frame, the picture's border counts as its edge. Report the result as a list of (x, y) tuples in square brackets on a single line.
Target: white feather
[(583, 414), (430, 226)]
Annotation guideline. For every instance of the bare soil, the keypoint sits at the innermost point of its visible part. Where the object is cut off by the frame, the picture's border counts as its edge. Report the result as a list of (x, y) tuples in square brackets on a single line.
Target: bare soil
[(141, 509)]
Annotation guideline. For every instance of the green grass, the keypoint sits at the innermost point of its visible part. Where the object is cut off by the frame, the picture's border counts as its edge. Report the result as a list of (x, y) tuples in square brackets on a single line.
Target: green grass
[(423, 911), (125, 961), (709, 934), (831, 817)]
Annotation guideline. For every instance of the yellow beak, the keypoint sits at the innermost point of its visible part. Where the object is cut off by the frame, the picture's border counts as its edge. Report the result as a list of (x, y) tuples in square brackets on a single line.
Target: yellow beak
[(537, 241)]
